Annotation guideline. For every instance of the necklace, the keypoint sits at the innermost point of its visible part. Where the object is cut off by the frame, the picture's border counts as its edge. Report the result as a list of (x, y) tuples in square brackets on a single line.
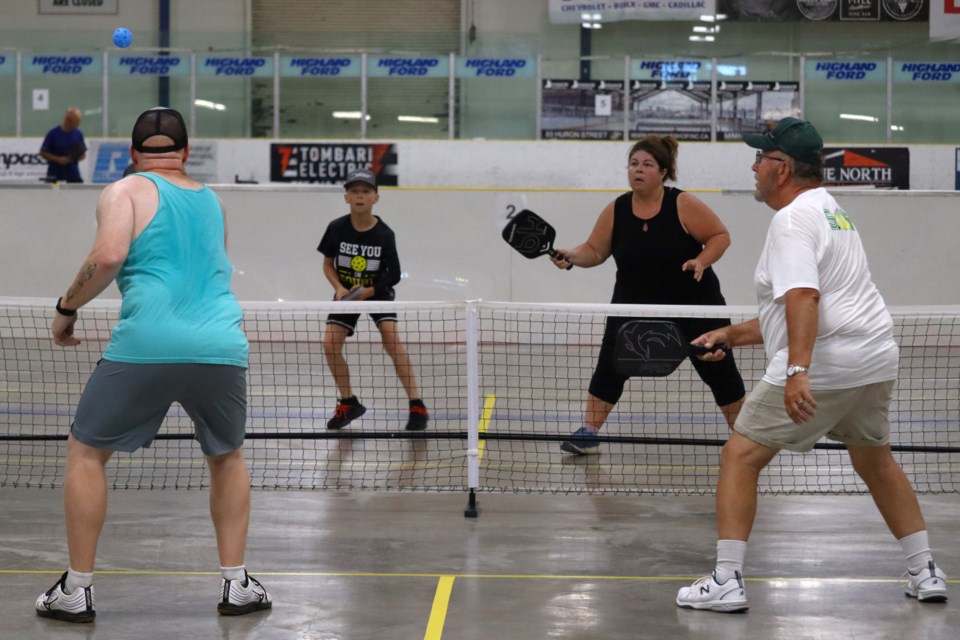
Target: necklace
[(653, 214)]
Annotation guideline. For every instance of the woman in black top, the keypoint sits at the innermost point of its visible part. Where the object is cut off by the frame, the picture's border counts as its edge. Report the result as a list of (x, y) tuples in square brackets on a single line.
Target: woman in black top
[(664, 242)]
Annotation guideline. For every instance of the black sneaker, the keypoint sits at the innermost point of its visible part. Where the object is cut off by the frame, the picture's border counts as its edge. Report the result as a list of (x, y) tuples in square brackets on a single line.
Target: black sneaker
[(348, 410), (238, 598), (78, 606), (418, 417)]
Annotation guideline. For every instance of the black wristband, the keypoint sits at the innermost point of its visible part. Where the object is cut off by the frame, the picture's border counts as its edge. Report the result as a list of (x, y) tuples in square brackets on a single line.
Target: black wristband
[(65, 312)]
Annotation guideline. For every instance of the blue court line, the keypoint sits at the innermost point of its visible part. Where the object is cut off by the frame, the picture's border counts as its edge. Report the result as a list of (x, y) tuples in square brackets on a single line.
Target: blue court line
[(525, 416)]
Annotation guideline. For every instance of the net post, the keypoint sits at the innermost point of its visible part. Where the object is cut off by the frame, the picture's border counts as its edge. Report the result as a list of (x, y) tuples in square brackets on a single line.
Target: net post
[(473, 409), (472, 511)]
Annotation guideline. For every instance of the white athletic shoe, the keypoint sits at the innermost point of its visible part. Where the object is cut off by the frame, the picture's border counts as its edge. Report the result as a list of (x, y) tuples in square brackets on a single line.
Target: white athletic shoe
[(928, 585), (78, 606), (707, 593), (238, 598)]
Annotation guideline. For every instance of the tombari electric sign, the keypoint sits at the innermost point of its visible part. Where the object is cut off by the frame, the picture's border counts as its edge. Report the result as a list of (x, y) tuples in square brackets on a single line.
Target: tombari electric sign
[(330, 163)]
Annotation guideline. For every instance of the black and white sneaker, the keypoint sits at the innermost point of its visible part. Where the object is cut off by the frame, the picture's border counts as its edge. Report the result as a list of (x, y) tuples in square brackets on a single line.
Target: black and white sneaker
[(238, 598), (56, 603)]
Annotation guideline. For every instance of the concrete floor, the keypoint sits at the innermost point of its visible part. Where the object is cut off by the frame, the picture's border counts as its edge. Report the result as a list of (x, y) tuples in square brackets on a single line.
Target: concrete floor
[(378, 565)]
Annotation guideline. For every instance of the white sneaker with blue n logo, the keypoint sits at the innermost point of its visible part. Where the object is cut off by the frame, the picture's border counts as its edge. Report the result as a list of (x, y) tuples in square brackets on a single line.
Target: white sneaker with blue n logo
[(927, 585), (707, 593)]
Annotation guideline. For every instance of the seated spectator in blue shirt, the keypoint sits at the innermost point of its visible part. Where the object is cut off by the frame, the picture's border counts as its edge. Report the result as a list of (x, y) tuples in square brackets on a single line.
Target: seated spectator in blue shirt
[(63, 148)]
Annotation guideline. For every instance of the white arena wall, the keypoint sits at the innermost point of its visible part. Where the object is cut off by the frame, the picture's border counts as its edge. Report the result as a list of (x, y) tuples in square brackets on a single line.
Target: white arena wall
[(450, 246), (500, 164)]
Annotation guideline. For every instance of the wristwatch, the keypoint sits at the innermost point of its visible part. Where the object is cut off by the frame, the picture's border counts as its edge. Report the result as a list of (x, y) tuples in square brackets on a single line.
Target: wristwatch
[(795, 369)]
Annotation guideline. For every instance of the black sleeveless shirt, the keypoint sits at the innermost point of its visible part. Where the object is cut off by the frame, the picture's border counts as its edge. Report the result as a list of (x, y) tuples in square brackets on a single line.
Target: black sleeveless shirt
[(649, 262)]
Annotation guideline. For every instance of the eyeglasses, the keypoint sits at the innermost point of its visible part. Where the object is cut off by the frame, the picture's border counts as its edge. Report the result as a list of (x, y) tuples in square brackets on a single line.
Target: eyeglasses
[(760, 157)]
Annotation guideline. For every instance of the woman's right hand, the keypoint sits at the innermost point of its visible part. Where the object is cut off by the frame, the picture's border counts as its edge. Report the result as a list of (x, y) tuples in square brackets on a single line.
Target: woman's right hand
[(561, 260)]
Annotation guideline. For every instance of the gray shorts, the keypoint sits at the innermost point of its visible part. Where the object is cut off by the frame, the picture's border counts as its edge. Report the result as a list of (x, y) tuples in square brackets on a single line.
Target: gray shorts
[(124, 403), (859, 416)]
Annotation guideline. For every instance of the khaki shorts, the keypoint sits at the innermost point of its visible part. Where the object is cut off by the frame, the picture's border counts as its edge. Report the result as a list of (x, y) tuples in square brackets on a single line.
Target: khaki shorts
[(858, 416)]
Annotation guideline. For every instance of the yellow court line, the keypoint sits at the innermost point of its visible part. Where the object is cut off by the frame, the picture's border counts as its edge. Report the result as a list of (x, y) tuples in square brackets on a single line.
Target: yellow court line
[(438, 614), (488, 403), (475, 576)]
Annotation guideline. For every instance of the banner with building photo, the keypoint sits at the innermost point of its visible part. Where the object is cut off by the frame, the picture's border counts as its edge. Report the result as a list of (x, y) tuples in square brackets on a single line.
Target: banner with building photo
[(682, 108), (876, 167), (677, 108), (330, 163), (582, 110), (754, 106), (863, 11)]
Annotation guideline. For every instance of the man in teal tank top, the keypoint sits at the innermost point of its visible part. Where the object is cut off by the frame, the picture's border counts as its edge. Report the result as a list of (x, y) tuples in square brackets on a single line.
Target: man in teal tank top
[(162, 236)]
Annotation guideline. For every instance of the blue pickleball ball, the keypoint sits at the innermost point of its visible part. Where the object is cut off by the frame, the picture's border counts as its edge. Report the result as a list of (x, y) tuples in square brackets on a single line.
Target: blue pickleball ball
[(122, 37)]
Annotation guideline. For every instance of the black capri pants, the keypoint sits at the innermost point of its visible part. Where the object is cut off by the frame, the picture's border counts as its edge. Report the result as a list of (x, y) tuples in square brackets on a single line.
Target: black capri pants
[(722, 377)]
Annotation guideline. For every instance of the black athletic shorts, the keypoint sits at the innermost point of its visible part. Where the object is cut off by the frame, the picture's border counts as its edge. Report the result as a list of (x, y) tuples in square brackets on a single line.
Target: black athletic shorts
[(349, 320)]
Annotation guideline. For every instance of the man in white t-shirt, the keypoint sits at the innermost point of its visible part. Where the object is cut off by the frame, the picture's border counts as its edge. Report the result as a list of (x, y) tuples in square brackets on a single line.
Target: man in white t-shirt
[(831, 365)]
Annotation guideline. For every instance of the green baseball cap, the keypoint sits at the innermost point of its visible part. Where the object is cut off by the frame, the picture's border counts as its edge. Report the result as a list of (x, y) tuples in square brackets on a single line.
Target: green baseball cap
[(796, 138)]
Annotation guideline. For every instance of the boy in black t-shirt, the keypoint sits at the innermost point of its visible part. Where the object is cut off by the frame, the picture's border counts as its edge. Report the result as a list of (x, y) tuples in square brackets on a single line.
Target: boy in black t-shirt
[(360, 260)]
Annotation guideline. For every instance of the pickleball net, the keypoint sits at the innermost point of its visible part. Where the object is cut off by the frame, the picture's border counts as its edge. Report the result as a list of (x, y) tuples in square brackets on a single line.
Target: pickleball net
[(505, 384)]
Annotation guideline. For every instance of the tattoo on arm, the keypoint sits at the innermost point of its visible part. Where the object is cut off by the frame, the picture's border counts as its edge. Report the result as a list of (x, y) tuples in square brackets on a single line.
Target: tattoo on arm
[(86, 273)]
